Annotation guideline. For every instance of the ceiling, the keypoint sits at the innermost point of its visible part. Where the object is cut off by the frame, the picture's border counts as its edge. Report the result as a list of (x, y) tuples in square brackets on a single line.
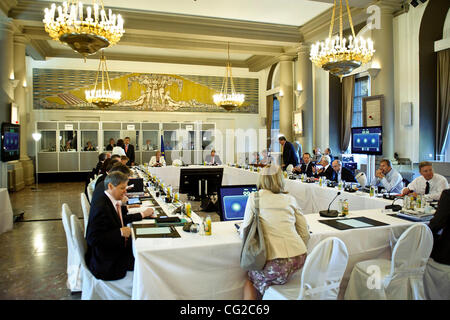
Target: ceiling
[(190, 32)]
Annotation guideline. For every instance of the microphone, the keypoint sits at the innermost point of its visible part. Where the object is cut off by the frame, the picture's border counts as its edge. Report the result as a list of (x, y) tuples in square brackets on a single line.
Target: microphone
[(330, 213), (394, 207)]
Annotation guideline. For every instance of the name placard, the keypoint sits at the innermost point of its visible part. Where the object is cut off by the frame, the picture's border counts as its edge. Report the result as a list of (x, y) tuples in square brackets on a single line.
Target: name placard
[(131, 127), (68, 127)]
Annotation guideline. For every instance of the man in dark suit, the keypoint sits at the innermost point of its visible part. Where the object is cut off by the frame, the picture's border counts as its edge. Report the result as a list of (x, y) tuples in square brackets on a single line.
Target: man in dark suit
[(342, 173), (441, 221), (289, 154), (114, 165), (109, 254), (326, 170), (129, 151), (306, 167)]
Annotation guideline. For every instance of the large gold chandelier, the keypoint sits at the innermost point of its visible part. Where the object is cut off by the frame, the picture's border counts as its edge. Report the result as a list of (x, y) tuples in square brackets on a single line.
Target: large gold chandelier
[(103, 97), (228, 98), (338, 55), (85, 29)]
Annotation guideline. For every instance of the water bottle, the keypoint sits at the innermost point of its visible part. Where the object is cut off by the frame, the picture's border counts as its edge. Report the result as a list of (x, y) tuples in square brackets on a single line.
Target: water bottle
[(208, 226), (345, 208)]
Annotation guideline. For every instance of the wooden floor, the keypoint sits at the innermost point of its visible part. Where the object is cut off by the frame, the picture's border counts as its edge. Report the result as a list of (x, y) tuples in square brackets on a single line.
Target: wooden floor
[(33, 256)]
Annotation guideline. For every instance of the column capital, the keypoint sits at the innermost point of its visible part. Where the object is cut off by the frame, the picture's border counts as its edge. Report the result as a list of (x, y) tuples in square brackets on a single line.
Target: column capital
[(6, 24), (304, 48), (20, 39), (287, 57)]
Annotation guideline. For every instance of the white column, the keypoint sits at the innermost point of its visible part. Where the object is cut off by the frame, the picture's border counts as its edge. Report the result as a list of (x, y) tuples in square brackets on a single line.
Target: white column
[(287, 99), (21, 100), (305, 99)]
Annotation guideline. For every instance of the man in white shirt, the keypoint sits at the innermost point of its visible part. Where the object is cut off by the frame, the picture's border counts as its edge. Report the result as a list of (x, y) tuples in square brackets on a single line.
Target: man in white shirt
[(388, 178), (213, 158), (148, 146), (429, 183)]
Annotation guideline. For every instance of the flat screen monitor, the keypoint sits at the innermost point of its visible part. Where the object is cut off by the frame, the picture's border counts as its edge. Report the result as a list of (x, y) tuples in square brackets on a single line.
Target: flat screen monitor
[(367, 140), (10, 142), (200, 182), (233, 200)]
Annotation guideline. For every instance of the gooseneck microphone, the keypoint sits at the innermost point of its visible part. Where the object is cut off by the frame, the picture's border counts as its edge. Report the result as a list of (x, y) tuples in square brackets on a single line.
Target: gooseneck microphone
[(394, 207), (330, 213)]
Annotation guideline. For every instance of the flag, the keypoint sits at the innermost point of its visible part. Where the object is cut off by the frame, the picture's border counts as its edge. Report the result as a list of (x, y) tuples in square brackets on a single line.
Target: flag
[(162, 146)]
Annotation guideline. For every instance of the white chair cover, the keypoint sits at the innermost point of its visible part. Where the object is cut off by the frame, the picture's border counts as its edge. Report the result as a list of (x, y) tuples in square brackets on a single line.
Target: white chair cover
[(93, 288), (177, 163), (73, 261), (436, 281), (86, 208), (400, 278), (320, 276), (289, 169), (91, 188)]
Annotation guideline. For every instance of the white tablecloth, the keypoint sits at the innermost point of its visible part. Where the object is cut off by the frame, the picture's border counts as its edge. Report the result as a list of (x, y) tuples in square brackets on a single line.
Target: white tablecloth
[(6, 212), (310, 197), (207, 267)]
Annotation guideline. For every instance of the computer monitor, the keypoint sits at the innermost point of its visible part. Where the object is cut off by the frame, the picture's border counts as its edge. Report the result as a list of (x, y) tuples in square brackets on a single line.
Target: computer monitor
[(233, 200), (367, 140), (137, 183), (10, 142), (200, 182)]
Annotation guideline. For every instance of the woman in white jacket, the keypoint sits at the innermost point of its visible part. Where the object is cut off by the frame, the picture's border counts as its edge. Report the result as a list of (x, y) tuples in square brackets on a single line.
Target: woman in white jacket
[(285, 233), (157, 160)]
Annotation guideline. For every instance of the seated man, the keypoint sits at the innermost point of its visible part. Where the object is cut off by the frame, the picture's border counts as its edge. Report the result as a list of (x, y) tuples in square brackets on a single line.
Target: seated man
[(429, 183), (326, 171), (388, 178), (306, 167), (213, 158), (109, 253), (157, 160), (89, 147), (342, 173), (148, 146), (124, 159)]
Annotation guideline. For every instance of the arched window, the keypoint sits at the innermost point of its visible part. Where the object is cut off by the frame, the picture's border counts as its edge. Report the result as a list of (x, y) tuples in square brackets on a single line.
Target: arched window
[(275, 126)]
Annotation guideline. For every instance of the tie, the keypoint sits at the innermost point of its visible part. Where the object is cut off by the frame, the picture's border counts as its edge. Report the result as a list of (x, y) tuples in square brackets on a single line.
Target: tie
[(119, 212), (126, 148), (427, 189)]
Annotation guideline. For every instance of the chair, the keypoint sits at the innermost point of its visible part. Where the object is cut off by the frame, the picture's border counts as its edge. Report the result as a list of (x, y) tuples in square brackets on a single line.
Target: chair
[(289, 169), (320, 276), (436, 281), (93, 288), (73, 261), (86, 207), (398, 278), (91, 188), (177, 163)]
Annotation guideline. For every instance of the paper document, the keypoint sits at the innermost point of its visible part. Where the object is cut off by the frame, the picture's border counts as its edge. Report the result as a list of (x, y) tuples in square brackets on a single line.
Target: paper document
[(138, 210), (355, 223), (144, 231)]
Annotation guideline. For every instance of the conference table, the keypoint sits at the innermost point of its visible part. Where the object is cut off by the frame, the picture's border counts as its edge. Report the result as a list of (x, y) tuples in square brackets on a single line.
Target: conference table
[(6, 212), (201, 267), (311, 198)]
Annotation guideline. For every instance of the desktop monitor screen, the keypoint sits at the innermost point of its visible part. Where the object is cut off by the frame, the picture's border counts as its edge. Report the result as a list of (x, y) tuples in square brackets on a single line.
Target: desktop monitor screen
[(10, 142), (199, 182), (367, 140), (233, 200)]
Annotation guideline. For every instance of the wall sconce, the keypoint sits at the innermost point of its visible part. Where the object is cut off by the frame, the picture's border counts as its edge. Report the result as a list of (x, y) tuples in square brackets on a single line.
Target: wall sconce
[(298, 90), (12, 82), (280, 95), (374, 69)]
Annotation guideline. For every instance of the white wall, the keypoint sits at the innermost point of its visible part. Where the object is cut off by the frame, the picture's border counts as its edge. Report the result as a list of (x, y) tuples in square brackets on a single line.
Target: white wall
[(406, 79), (223, 121)]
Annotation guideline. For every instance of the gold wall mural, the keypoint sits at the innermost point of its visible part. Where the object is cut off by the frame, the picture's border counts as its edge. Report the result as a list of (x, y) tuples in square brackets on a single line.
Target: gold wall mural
[(65, 89)]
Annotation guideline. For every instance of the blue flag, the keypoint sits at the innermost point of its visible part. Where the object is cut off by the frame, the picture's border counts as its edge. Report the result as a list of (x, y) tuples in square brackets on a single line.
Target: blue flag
[(162, 146)]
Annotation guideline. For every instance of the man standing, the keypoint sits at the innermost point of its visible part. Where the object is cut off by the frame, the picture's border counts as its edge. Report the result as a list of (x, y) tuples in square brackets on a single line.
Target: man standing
[(129, 151), (109, 254), (306, 167), (342, 173), (429, 183), (289, 154), (388, 178)]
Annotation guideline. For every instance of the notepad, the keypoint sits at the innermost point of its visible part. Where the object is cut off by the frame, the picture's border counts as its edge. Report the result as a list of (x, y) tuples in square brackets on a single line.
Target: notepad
[(147, 231), (355, 223)]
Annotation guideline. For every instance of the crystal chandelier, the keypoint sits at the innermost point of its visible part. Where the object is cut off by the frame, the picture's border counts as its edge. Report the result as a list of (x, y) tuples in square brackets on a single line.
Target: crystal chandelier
[(228, 98), (102, 98), (338, 55), (84, 30)]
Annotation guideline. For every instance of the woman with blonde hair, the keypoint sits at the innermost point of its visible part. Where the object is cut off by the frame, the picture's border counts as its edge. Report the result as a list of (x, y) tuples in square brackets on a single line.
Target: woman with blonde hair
[(285, 233)]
